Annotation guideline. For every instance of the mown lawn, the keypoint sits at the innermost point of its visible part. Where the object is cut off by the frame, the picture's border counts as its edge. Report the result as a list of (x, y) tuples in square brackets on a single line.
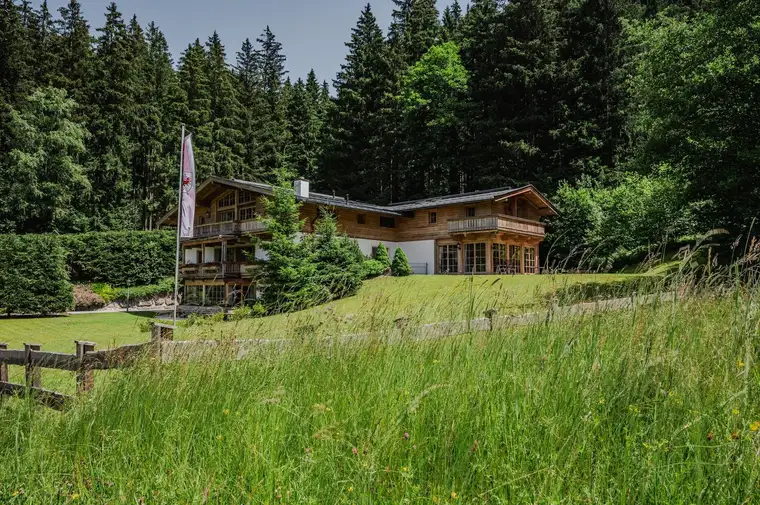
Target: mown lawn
[(654, 405)]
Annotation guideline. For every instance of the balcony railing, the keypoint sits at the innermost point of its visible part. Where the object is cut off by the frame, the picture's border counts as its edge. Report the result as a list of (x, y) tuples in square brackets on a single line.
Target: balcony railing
[(497, 222), (228, 228), (228, 269)]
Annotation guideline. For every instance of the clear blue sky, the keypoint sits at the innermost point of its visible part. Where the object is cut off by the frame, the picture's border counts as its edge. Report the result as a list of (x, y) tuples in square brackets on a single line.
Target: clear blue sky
[(312, 32)]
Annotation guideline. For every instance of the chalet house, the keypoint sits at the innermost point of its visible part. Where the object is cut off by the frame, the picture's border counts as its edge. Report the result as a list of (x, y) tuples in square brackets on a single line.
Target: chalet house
[(491, 231)]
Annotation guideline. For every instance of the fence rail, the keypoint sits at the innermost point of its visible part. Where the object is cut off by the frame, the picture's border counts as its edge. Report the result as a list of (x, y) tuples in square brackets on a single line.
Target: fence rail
[(228, 228), (497, 222)]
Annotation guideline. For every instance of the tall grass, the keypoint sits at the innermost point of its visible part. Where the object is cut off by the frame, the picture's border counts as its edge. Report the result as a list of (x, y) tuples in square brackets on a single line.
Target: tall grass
[(653, 405)]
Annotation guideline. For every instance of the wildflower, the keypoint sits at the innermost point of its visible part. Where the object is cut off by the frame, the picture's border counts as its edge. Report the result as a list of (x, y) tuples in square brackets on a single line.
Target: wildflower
[(350, 489), (739, 363), (17, 492), (735, 435), (436, 500), (74, 496), (219, 437), (308, 450), (454, 495), (404, 469), (710, 436), (735, 412), (601, 401), (406, 435), (354, 451), (226, 412), (436, 361), (755, 426)]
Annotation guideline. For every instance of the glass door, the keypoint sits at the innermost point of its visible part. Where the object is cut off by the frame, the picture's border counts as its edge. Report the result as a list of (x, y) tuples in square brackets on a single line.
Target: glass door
[(448, 259), (475, 258)]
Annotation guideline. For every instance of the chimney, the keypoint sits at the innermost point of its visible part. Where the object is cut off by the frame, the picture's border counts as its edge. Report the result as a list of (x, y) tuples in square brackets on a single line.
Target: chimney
[(301, 186), (347, 200)]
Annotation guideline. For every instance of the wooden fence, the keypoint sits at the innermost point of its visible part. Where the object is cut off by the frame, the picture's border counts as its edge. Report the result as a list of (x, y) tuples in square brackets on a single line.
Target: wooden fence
[(84, 362), (163, 347)]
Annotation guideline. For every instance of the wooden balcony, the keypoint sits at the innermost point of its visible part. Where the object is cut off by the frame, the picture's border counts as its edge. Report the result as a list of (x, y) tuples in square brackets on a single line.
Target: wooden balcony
[(228, 228), (217, 271), (497, 223)]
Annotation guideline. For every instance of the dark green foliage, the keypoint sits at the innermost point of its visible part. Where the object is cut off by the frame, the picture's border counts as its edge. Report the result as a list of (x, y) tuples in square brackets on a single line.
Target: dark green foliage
[(320, 267), (373, 268), (400, 266), (381, 255), (120, 258), (33, 275), (42, 182), (125, 294)]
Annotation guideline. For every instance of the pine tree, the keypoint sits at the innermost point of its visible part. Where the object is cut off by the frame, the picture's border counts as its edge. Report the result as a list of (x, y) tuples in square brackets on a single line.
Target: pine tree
[(273, 131), (226, 116), (43, 180), (400, 266), (592, 129), (304, 128), (197, 115), (16, 74), (112, 95), (352, 162), (43, 45), (75, 56), (451, 24), (166, 107), (381, 255), (253, 108)]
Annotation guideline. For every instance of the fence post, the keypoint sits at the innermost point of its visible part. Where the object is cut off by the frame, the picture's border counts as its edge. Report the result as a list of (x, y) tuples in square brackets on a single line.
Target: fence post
[(491, 315), (32, 372), (85, 377), (3, 365), (159, 333)]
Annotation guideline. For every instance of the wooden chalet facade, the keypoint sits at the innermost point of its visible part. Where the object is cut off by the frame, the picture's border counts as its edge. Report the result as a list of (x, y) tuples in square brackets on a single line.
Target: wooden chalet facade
[(494, 231)]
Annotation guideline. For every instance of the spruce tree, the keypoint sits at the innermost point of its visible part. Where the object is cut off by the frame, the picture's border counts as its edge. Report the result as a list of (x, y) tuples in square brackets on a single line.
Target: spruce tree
[(400, 266), (16, 53), (74, 50), (451, 24), (381, 255), (353, 163), (273, 131), (44, 40), (112, 95), (226, 146), (197, 114), (253, 109)]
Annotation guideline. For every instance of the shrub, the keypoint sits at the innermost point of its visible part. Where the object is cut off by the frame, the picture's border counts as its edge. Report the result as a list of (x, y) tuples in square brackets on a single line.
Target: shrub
[(373, 268), (33, 275), (123, 258), (112, 294), (400, 266), (86, 299), (381, 255)]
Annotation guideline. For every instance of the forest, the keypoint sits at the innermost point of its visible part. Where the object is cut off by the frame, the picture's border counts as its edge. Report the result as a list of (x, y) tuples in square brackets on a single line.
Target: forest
[(639, 118)]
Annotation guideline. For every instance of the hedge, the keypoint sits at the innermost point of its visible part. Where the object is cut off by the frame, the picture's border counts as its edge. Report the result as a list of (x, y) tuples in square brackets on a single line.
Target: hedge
[(121, 259), (34, 278)]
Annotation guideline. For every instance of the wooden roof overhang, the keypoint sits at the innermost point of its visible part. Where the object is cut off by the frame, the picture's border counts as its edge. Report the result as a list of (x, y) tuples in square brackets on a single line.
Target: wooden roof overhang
[(529, 192)]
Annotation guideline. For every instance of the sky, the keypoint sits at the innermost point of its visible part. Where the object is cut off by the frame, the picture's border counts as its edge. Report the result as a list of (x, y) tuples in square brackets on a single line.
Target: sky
[(313, 33)]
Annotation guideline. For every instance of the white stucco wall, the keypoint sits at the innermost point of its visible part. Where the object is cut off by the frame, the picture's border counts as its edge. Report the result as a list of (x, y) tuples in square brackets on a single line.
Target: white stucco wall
[(420, 251)]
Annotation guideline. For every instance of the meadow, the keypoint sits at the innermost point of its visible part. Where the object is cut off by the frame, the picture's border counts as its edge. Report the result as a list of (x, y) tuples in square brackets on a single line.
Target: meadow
[(653, 405)]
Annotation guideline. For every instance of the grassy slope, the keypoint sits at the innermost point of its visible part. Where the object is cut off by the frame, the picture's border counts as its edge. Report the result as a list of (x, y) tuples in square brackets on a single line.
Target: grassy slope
[(422, 298), (652, 406)]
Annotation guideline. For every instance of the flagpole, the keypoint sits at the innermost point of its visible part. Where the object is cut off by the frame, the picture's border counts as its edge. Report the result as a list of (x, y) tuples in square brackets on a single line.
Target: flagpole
[(179, 222)]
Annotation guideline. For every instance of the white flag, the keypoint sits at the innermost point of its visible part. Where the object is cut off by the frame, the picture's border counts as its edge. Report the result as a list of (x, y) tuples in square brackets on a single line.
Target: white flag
[(187, 219)]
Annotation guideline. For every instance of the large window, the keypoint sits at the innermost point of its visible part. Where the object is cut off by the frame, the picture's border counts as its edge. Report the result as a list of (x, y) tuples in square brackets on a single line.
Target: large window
[(530, 260), (247, 214), (193, 295), (214, 295), (432, 218), (514, 257), (475, 258), (387, 222), (225, 216), (500, 264), (227, 200), (245, 197), (448, 259)]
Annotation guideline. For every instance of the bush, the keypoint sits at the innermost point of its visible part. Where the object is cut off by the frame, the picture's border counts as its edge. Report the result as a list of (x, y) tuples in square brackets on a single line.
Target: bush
[(86, 299), (123, 258), (381, 255), (373, 268), (33, 275), (400, 266), (112, 294)]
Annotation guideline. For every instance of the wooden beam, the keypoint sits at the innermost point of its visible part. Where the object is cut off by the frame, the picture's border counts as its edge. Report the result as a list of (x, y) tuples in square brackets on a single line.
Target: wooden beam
[(3, 364), (32, 372), (85, 375), (49, 398)]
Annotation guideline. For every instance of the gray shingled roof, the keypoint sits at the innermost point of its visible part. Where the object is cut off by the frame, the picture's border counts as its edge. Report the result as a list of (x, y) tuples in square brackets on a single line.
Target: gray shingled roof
[(394, 209)]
